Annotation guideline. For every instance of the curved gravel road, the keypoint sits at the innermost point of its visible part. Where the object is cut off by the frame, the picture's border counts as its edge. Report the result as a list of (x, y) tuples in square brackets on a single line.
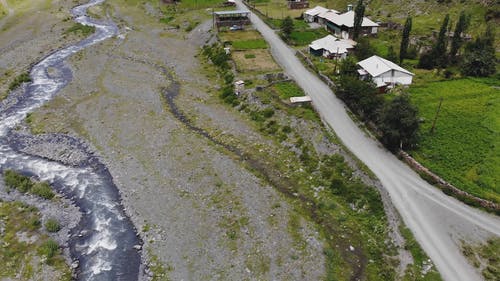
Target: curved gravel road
[(437, 221)]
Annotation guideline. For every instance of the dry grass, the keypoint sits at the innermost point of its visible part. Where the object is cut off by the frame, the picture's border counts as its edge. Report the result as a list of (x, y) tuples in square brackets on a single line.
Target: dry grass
[(263, 62)]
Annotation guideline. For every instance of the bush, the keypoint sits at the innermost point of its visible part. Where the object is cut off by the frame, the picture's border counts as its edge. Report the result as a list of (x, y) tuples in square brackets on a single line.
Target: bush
[(49, 249), (43, 190), (268, 112), (52, 225), (427, 60), (78, 27), (17, 181), (23, 78), (24, 184)]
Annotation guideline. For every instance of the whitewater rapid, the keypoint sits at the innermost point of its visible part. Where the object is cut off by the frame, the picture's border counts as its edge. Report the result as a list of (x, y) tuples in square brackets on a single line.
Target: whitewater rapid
[(103, 242)]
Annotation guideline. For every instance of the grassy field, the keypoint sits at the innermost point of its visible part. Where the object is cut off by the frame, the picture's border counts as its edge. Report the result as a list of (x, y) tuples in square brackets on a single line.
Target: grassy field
[(465, 146), (25, 250)]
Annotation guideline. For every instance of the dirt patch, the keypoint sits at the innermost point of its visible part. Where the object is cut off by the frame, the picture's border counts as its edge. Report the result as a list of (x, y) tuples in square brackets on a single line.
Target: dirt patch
[(254, 60)]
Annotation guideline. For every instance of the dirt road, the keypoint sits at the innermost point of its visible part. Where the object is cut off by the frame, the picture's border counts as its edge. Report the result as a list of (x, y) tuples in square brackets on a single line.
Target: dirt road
[(438, 222)]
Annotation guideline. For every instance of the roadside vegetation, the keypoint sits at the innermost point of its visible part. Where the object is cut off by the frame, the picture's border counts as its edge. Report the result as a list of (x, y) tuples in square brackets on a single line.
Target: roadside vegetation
[(484, 257), (463, 147), (26, 250), (348, 212)]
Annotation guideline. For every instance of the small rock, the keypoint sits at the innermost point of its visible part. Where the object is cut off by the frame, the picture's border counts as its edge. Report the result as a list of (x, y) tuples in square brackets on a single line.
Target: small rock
[(75, 265), (351, 248), (137, 247)]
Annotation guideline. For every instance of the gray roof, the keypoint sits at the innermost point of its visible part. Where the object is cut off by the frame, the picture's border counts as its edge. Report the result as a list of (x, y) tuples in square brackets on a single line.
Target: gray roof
[(232, 12)]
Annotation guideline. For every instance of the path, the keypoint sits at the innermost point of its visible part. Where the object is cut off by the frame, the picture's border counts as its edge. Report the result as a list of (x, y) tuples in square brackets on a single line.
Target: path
[(436, 220)]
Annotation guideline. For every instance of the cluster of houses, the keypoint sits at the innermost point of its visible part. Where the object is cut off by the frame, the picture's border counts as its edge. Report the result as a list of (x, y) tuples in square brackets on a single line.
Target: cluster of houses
[(337, 45)]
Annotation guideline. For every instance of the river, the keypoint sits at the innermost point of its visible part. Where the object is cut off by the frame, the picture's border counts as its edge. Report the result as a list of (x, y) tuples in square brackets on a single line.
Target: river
[(104, 240)]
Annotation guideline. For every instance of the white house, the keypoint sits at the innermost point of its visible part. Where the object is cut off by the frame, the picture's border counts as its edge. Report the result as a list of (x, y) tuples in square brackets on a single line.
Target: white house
[(384, 73), (342, 25), (331, 47), (311, 15)]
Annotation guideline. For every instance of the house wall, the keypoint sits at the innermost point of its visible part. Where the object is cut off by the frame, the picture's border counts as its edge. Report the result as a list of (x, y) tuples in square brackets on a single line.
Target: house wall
[(393, 77), (308, 18)]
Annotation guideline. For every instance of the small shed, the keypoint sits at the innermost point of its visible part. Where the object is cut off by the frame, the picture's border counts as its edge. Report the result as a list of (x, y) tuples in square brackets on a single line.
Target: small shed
[(239, 87), (298, 100)]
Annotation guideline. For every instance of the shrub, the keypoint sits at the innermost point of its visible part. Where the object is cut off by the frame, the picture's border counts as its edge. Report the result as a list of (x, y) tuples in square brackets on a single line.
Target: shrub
[(268, 112), (23, 78), (17, 181), (52, 225), (84, 29), (24, 184), (43, 190), (49, 248)]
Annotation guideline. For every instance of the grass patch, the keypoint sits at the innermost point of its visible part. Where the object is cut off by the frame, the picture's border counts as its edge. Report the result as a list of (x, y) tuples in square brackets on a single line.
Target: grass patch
[(24, 184), (305, 37), (420, 260), (20, 259), (250, 44), (52, 225), (465, 146), (249, 56), (287, 90), (78, 28)]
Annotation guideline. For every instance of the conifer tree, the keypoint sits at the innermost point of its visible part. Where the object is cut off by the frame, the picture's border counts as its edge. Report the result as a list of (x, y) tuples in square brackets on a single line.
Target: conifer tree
[(359, 13), (405, 40)]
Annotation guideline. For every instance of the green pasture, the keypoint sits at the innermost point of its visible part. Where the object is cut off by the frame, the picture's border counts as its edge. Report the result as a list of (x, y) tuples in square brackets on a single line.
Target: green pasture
[(465, 146)]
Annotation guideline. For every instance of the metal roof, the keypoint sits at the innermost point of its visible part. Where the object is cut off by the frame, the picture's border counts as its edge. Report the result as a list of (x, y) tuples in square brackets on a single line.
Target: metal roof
[(332, 44), (318, 10), (232, 12), (347, 19), (376, 65)]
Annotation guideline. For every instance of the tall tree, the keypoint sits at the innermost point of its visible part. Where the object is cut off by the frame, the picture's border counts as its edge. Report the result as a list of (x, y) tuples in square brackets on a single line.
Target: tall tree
[(439, 51), (399, 123), (405, 40), (287, 27), (359, 13), (457, 40)]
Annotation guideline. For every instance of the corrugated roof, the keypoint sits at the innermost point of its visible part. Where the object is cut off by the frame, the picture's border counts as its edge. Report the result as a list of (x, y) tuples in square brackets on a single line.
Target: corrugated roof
[(318, 10), (332, 44), (376, 65), (347, 19), (232, 12), (300, 99)]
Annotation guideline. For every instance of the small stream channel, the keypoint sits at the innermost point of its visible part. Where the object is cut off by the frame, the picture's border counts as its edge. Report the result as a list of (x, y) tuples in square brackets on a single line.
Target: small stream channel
[(104, 240)]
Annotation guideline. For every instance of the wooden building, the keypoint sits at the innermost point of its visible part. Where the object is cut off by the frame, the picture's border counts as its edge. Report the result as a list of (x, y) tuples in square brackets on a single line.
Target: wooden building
[(235, 18)]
